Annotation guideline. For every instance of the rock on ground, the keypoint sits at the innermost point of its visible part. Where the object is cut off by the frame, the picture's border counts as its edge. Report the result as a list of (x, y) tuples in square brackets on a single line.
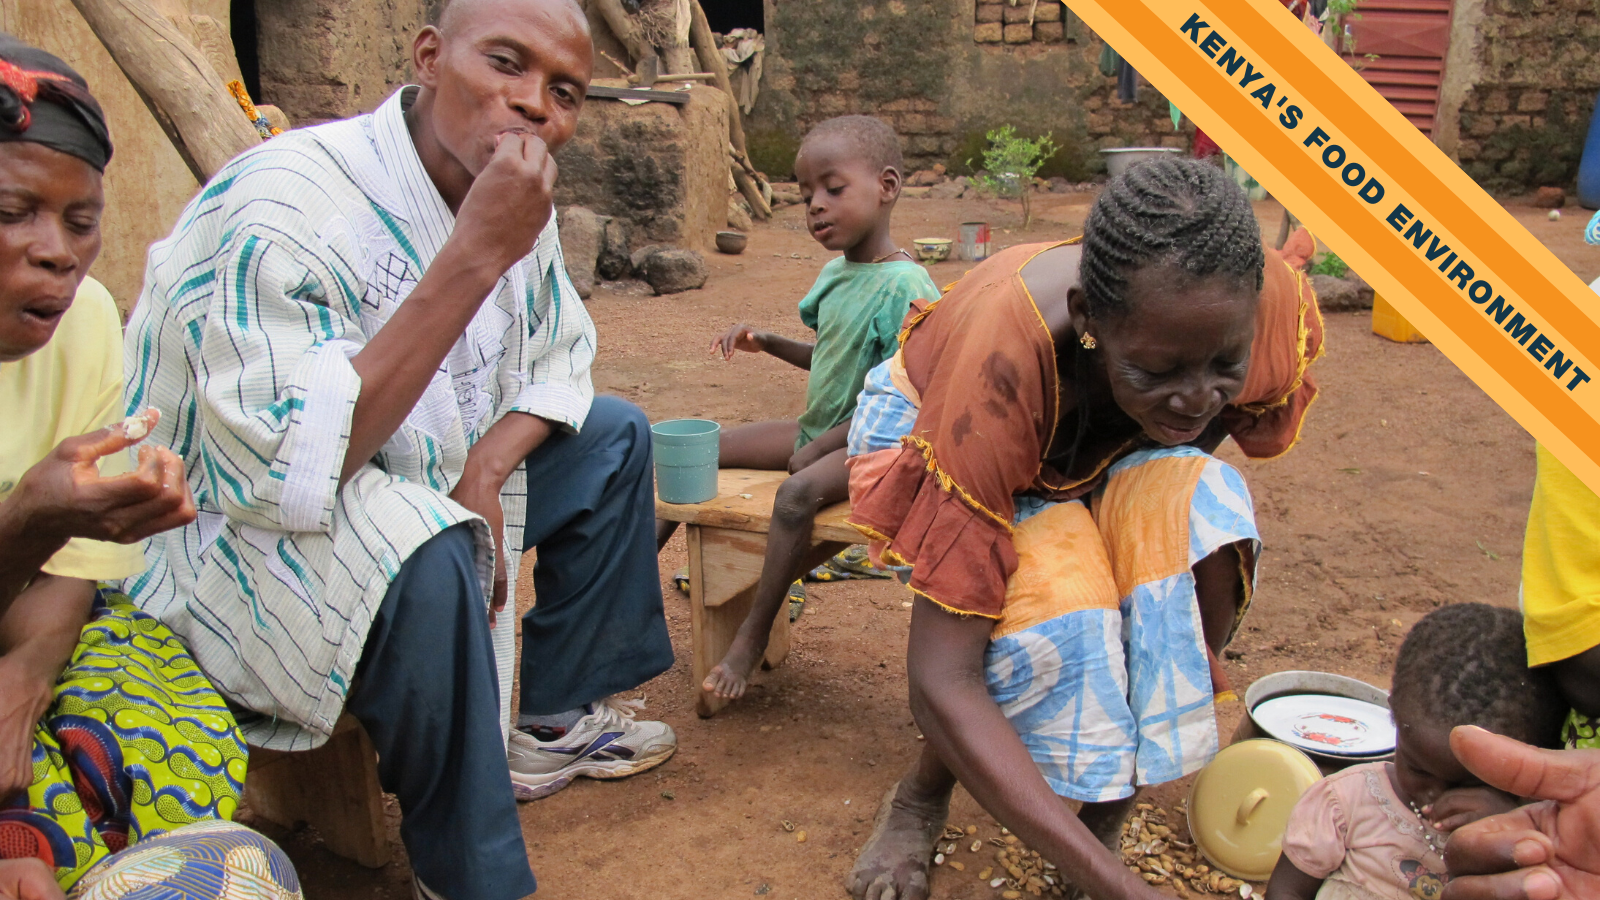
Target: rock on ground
[(615, 262), (641, 256), (580, 245), (739, 215), (1550, 198), (950, 190), (1336, 294), (671, 271)]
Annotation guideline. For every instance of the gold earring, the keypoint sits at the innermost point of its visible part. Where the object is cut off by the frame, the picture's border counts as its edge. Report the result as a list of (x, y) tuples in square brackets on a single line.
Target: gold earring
[(1087, 341)]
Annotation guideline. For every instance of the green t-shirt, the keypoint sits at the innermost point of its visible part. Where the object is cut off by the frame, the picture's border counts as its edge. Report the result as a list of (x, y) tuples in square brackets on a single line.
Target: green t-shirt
[(856, 309)]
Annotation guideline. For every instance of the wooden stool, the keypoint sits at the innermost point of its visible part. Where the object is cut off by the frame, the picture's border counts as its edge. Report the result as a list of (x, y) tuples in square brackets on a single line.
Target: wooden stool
[(333, 788), (727, 545)]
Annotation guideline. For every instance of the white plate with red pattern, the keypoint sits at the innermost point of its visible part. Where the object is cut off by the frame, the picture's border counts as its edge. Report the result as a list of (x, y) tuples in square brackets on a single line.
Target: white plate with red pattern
[(1327, 724)]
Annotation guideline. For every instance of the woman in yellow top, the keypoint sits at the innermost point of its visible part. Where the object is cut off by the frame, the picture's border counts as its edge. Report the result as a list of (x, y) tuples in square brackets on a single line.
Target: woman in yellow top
[(119, 763), (1561, 592)]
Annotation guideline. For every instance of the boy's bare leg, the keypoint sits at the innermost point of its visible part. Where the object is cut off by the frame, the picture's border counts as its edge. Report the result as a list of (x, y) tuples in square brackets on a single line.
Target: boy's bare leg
[(823, 483), (893, 864), (758, 445)]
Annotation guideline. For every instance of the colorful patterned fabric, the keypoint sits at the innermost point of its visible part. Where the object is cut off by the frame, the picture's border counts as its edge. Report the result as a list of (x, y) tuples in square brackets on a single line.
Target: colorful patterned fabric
[(212, 860), (1580, 732), (1098, 657), (1591, 232), (136, 744)]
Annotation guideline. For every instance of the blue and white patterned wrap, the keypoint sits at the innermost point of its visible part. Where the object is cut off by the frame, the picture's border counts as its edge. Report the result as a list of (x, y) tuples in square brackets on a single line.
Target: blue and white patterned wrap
[(883, 415), (1063, 685), (1103, 699), (1591, 232)]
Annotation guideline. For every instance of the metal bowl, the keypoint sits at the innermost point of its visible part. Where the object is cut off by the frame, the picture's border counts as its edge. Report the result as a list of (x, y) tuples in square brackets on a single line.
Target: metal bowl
[(732, 241), (932, 250), (1280, 684), (1118, 159)]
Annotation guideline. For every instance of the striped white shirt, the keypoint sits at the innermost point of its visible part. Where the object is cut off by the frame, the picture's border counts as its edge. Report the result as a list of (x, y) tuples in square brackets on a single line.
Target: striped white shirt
[(278, 272)]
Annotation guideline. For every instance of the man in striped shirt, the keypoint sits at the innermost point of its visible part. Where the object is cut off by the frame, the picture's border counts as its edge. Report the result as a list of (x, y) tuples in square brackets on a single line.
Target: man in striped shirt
[(371, 360)]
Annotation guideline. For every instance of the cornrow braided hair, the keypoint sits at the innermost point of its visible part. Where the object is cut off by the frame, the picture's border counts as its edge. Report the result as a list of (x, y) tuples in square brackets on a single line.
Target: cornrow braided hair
[(1467, 664), (1180, 212)]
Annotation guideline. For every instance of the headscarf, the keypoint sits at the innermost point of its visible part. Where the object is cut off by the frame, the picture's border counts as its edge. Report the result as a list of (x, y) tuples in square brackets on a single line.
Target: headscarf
[(42, 100)]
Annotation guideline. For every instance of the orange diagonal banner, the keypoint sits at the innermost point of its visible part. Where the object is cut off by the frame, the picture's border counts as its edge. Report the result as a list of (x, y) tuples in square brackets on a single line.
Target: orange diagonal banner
[(1371, 186)]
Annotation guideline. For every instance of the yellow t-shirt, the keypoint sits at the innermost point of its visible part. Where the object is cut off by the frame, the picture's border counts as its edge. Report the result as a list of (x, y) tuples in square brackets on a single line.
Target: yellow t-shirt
[(71, 386), (1560, 565)]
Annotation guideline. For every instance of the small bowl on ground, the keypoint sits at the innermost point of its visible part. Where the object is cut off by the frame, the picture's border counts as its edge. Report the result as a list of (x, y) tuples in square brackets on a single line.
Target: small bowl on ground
[(732, 241), (932, 250)]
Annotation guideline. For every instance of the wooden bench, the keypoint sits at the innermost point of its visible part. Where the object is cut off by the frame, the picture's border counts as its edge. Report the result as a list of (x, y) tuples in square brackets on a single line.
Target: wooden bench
[(727, 539), (333, 788)]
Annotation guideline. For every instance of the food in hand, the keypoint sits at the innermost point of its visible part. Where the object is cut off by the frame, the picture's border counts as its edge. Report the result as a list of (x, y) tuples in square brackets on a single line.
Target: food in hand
[(138, 426)]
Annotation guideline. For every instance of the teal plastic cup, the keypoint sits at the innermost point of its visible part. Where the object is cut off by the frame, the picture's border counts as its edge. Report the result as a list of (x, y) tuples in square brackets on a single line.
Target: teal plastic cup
[(686, 459)]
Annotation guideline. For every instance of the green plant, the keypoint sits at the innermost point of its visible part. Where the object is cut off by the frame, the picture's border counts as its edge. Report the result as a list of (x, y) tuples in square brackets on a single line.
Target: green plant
[(1009, 164), (1330, 264)]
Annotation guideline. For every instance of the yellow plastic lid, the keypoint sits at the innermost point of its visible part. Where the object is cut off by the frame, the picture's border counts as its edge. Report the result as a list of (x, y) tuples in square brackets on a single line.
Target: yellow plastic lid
[(1240, 804)]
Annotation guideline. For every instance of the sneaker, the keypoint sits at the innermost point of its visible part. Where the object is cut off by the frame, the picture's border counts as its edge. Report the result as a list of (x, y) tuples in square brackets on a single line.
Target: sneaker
[(607, 743)]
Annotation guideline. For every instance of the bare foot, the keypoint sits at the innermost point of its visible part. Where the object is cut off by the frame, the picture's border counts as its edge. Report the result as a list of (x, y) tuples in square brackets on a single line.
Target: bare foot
[(893, 864), (729, 678)]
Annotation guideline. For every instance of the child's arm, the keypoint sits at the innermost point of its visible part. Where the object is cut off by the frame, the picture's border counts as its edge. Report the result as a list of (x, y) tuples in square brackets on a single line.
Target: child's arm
[(972, 737), (1461, 806), (1289, 883), (834, 438), (743, 337)]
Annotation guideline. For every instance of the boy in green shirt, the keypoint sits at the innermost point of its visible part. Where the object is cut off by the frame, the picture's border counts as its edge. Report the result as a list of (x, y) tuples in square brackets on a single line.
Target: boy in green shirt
[(849, 173)]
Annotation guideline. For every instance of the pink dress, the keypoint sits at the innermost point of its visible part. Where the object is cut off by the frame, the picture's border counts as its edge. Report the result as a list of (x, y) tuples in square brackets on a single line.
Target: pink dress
[(1353, 831)]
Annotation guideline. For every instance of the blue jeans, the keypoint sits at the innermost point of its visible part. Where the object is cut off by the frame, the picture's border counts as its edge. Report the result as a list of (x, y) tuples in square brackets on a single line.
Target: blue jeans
[(426, 688)]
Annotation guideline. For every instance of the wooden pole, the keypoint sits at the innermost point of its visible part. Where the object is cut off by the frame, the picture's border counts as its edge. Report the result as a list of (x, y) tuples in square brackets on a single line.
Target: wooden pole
[(625, 28), (710, 56), (176, 82)]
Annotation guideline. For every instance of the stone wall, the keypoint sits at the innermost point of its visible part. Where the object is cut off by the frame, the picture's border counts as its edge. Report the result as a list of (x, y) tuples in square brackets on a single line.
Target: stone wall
[(1527, 73), (935, 70)]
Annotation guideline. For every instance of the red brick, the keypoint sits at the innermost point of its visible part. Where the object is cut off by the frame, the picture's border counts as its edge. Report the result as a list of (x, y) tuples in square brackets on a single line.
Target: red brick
[(1021, 33), (1048, 11), (989, 33), (993, 13), (1015, 14), (1049, 32)]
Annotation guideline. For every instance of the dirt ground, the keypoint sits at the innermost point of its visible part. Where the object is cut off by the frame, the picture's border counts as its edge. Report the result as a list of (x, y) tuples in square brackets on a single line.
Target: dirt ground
[(1409, 490)]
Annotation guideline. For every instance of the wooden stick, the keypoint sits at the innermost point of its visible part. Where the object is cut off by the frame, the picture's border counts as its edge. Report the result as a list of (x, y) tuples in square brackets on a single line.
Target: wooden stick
[(176, 82), (624, 27), (710, 56), (745, 175)]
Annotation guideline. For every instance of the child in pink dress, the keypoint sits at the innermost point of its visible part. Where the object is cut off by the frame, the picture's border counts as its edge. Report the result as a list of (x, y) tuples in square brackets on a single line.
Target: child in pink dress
[(1377, 831)]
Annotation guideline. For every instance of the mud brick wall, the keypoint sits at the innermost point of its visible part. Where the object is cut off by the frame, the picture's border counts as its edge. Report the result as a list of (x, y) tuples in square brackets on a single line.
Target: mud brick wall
[(944, 72), (1024, 22), (1524, 118)]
